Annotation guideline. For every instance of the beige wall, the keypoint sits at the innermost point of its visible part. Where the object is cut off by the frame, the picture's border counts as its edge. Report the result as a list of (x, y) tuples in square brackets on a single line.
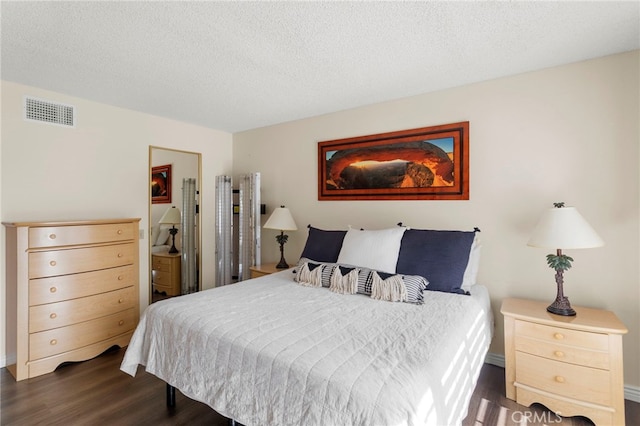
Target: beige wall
[(97, 170), (562, 134)]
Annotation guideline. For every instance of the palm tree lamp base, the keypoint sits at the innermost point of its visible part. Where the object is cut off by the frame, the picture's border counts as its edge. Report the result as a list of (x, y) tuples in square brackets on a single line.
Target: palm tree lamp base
[(561, 307)]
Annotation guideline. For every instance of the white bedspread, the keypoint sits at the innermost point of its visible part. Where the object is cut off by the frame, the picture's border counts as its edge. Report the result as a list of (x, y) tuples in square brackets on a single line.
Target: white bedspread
[(271, 352)]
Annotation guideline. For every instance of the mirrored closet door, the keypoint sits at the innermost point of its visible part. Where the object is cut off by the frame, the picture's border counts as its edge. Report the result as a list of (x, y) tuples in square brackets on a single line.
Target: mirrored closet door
[(174, 222)]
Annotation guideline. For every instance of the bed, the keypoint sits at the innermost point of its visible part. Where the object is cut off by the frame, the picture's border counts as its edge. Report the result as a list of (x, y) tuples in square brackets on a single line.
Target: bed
[(276, 351)]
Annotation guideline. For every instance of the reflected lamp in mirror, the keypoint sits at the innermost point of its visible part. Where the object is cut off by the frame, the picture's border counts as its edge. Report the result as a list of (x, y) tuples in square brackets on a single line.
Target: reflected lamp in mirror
[(172, 217), (281, 220), (563, 228)]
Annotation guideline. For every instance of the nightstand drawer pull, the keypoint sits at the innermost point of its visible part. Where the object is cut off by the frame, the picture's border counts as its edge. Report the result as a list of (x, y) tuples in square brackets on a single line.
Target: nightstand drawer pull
[(52, 236), (53, 290), (559, 379), (120, 277), (119, 231), (119, 254), (559, 354), (53, 315), (120, 300), (558, 336), (53, 263), (53, 342), (120, 322)]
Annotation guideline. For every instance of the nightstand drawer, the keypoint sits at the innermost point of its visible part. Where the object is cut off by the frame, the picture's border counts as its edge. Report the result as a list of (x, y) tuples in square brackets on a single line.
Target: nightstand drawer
[(564, 336), (559, 352), (162, 278), (161, 263), (572, 381)]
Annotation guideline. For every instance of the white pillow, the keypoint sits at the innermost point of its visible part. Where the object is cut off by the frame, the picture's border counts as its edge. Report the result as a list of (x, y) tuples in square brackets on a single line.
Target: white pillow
[(471, 272), (154, 235), (163, 236), (372, 249)]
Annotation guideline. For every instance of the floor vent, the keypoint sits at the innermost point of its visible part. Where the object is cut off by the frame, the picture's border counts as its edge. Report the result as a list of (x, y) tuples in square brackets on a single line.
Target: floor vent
[(49, 112)]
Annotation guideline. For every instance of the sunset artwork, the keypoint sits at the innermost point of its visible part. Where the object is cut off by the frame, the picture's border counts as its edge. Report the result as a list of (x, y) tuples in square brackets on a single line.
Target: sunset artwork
[(161, 184), (425, 163)]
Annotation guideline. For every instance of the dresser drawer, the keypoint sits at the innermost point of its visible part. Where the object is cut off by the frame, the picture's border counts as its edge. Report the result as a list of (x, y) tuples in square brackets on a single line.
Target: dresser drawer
[(56, 236), (568, 380), (60, 314), (564, 336), (59, 340), (556, 351), (56, 289), (62, 262)]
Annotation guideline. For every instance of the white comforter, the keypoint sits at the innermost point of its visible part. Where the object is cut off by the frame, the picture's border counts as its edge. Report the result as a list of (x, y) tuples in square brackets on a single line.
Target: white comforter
[(271, 352)]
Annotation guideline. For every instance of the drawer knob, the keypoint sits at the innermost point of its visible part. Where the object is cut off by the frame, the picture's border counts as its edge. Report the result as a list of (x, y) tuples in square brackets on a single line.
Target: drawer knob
[(119, 254), (558, 336), (53, 342), (559, 379), (120, 300), (53, 315), (120, 322), (52, 236), (559, 354), (53, 289), (119, 231), (53, 263), (120, 277)]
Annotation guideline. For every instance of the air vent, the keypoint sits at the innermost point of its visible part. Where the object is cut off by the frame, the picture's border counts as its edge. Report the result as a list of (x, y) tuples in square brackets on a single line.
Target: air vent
[(49, 112)]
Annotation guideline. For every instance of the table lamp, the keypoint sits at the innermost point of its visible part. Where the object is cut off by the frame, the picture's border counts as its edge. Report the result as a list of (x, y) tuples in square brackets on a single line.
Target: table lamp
[(281, 220), (562, 228), (172, 217)]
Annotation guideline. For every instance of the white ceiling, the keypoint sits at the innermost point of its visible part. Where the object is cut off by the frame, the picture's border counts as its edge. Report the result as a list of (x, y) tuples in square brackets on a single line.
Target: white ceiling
[(235, 66)]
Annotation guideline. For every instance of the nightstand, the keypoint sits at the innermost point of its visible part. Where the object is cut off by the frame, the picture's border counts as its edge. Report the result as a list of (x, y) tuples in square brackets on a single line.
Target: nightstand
[(264, 269), (166, 273), (572, 365)]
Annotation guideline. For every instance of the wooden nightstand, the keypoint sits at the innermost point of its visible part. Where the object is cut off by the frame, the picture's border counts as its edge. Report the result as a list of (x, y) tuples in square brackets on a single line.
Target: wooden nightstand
[(166, 273), (572, 365), (264, 269)]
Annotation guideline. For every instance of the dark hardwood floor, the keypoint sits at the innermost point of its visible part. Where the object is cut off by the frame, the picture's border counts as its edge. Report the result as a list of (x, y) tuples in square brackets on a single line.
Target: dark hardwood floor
[(96, 392)]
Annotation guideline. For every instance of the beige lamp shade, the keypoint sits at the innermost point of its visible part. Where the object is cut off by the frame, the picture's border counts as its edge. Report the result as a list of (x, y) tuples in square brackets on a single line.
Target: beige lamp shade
[(171, 216), (281, 220), (564, 228)]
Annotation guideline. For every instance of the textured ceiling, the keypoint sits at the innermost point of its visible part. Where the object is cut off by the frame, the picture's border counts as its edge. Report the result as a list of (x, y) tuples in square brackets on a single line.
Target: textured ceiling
[(235, 66)]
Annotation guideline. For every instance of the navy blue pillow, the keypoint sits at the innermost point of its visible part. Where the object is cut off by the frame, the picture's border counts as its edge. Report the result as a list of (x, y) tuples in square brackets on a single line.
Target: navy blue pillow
[(323, 246), (439, 256)]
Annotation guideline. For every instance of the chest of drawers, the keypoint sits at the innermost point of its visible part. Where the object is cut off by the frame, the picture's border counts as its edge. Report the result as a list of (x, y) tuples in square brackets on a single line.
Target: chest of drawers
[(572, 365), (72, 291), (165, 272)]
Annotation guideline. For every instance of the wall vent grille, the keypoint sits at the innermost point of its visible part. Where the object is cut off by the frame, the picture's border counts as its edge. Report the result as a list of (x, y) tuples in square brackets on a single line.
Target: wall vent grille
[(49, 112)]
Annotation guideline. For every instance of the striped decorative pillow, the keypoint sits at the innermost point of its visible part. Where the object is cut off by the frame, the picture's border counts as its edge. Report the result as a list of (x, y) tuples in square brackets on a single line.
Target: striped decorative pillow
[(414, 284)]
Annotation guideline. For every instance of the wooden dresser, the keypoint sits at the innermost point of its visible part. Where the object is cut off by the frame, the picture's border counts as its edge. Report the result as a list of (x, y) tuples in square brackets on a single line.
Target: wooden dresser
[(72, 291), (165, 272), (570, 364)]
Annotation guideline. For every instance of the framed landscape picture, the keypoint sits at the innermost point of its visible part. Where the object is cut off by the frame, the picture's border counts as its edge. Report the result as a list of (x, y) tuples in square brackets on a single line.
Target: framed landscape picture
[(429, 163)]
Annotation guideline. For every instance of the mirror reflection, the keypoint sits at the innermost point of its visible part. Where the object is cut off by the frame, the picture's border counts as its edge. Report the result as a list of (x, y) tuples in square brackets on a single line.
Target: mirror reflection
[(174, 223)]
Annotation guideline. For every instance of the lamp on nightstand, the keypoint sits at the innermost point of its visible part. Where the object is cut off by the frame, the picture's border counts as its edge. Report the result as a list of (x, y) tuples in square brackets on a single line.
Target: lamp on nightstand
[(172, 217), (563, 228), (281, 220)]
